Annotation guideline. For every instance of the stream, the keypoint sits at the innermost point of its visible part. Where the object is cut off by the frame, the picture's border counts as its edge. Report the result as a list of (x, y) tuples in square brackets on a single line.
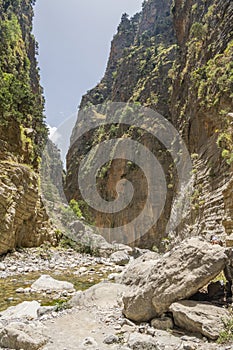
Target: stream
[(8, 286)]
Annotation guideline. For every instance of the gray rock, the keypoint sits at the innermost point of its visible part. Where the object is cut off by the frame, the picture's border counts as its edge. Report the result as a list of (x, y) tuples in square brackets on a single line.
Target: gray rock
[(21, 336), (162, 323), (123, 247), (27, 309), (44, 310), (2, 267), (113, 276), (169, 279), (47, 283), (103, 295), (111, 339), (20, 290), (120, 258), (89, 341), (199, 317), (141, 342)]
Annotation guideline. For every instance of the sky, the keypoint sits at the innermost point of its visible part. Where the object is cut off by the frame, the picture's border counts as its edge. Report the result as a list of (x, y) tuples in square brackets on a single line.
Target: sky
[(74, 39)]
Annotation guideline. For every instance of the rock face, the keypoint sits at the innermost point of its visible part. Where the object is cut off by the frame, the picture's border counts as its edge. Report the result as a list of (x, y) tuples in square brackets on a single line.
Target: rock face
[(178, 73), (199, 317), (176, 276), (23, 218)]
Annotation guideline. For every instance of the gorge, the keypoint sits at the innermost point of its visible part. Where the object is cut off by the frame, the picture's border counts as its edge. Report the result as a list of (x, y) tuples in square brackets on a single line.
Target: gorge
[(164, 107)]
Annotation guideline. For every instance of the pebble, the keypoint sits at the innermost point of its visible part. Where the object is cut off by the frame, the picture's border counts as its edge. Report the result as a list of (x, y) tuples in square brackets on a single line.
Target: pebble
[(10, 299), (2, 267), (127, 329), (89, 341), (117, 327), (111, 339)]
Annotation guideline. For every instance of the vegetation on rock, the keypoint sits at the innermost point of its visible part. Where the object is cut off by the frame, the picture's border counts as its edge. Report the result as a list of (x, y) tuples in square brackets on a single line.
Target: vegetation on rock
[(21, 97)]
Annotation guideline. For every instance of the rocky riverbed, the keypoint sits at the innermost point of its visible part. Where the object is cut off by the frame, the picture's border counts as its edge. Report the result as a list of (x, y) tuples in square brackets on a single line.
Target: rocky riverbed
[(20, 269), (73, 301)]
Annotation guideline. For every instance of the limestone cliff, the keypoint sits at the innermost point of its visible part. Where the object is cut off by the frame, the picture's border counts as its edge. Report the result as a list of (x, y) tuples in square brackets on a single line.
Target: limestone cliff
[(23, 219), (176, 58)]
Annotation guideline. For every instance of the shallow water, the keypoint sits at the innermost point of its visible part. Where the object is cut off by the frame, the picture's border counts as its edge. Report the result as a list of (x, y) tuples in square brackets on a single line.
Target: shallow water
[(8, 286)]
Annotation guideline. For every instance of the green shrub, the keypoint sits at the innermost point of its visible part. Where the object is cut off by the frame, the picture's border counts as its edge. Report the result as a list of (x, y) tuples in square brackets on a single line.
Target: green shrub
[(226, 334), (198, 31), (76, 209)]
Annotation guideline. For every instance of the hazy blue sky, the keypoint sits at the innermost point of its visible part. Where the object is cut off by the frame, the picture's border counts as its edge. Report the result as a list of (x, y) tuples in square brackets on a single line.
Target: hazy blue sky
[(74, 41)]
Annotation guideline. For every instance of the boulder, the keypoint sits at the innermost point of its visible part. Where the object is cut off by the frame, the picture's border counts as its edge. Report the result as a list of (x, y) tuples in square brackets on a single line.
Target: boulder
[(26, 309), (199, 317), (47, 283), (162, 323), (177, 275), (21, 336), (103, 295), (120, 258)]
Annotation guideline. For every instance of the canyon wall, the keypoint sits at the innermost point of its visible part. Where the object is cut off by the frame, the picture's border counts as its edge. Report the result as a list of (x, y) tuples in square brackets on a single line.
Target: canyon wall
[(175, 58), (23, 218)]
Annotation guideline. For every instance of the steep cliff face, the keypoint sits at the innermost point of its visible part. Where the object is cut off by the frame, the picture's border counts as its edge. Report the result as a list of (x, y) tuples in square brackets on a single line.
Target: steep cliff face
[(23, 219), (201, 106), (176, 58)]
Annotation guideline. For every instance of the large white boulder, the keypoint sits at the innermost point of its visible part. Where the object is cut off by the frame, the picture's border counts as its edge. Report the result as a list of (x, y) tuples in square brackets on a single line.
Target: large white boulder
[(46, 282), (26, 309)]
